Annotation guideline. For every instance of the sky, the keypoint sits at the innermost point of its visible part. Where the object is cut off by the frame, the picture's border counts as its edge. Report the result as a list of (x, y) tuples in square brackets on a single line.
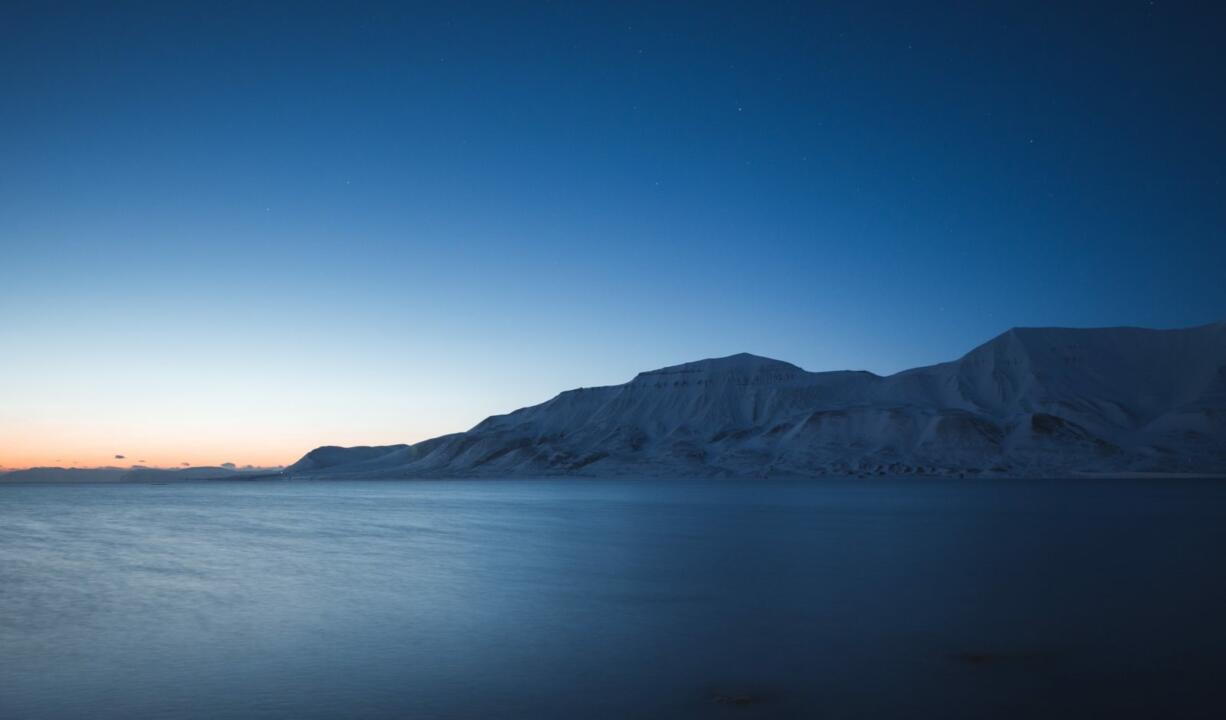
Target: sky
[(232, 232)]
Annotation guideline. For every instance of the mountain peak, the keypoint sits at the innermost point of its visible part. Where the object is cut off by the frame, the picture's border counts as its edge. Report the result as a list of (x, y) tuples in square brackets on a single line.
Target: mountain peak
[(740, 364)]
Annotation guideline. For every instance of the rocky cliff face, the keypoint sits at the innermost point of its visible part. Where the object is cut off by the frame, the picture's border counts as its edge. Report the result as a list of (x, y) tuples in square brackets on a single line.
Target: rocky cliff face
[(1032, 401)]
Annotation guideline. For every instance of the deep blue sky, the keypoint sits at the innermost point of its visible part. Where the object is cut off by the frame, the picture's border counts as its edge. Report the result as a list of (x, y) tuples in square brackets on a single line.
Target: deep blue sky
[(228, 230)]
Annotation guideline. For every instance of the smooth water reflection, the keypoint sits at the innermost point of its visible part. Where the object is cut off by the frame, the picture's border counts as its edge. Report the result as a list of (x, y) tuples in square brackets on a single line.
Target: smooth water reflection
[(613, 599)]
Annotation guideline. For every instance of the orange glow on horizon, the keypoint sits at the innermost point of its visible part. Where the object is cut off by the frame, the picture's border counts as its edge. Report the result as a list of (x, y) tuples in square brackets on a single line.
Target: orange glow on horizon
[(22, 459), (30, 446), (86, 444)]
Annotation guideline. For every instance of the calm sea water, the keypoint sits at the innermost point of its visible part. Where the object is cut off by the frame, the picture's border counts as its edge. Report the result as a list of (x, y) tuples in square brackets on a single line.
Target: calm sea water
[(614, 599)]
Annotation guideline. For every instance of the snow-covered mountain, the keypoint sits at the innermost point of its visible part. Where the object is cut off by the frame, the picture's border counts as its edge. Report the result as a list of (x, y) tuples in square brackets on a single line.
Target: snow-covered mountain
[(1032, 401)]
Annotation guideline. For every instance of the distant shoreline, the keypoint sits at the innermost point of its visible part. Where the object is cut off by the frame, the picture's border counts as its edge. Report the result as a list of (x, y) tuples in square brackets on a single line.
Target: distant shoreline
[(341, 479)]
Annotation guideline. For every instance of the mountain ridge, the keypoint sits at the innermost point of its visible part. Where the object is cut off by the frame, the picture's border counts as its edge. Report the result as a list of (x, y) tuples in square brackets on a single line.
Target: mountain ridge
[(1029, 401)]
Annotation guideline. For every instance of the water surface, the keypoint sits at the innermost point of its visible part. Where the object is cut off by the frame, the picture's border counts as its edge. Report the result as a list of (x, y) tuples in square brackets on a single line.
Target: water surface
[(614, 599)]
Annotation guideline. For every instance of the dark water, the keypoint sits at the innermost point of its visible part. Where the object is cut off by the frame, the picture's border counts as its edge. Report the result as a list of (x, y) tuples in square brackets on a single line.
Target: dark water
[(614, 599)]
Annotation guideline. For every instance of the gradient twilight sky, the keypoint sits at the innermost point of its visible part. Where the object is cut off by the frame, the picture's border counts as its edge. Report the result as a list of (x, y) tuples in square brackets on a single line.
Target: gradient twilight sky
[(231, 233)]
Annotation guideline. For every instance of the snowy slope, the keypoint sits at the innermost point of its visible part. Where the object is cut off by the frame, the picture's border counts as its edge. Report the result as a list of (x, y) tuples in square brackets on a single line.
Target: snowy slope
[(1038, 401)]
